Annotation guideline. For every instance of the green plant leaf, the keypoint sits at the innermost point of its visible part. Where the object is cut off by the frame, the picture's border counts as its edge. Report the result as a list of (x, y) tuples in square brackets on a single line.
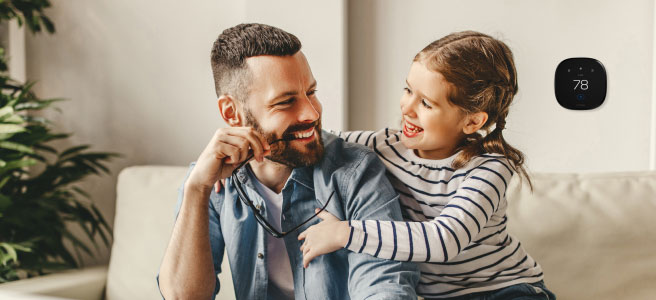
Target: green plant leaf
[(4, 202), (10, 128), (17, 164), (6, 110), (14, 119), (36, 105), (48, 24), (16, 147), (4, 180), (74, 150), (9, 256)]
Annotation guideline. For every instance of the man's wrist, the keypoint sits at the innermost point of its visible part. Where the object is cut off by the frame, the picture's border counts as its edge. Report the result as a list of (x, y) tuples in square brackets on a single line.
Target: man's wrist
[(197, 193)]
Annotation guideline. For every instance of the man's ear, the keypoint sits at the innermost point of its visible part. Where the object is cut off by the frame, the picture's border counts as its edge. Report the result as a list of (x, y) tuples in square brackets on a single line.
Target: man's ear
[(228, 108), (474, 122)]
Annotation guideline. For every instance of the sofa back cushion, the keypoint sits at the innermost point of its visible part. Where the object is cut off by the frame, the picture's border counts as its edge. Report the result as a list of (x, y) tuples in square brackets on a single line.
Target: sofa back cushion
[(594, 235), (145, 214)]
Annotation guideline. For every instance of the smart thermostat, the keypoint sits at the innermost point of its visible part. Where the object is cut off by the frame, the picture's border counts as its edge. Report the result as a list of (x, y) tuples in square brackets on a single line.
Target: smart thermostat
[(580, 83)]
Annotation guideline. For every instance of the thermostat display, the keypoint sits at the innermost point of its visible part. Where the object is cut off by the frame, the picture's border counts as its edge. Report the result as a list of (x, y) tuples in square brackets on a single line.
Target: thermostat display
[(580, 83)]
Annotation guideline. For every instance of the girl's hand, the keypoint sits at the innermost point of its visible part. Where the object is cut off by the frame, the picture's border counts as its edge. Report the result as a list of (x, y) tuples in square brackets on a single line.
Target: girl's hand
[(328, 236)]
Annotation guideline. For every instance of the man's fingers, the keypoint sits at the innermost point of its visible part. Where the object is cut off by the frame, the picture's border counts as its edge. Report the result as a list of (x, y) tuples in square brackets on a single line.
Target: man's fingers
[(217, 186), (255, 144), (229, 152), (257, 135), (234, 146)]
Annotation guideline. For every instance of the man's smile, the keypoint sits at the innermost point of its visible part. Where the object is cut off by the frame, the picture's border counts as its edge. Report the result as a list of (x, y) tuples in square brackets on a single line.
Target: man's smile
[(304, 136)]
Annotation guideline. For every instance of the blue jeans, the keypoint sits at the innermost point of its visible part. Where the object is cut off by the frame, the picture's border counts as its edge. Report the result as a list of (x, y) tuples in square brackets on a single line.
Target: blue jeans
[(522, 291)]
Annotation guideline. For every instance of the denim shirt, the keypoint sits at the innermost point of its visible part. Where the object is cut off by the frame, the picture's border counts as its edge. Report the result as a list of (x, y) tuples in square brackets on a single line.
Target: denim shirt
[(362, 192)]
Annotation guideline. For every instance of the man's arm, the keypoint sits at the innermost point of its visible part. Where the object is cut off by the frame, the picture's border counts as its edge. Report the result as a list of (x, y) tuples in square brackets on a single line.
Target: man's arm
[(186, 271), (371, 196)]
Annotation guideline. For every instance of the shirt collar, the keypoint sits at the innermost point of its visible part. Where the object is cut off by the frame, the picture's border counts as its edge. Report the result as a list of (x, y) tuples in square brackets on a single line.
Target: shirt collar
[(302, 175)]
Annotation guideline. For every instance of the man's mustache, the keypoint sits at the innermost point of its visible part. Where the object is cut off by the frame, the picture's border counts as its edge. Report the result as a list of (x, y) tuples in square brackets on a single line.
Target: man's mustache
[(288, 135)]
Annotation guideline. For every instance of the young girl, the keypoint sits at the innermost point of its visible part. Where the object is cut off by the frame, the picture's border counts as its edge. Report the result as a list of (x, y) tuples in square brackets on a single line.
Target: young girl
[(451, 179)]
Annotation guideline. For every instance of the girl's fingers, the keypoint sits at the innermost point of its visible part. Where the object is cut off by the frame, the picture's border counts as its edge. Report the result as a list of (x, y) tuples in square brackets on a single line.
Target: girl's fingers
[(302, 235), (326, 216), (307, 258)]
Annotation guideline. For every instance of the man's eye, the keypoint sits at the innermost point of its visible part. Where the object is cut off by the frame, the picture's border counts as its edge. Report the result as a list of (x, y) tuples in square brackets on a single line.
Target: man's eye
[(312, 92), (288, 101), (424, 103)]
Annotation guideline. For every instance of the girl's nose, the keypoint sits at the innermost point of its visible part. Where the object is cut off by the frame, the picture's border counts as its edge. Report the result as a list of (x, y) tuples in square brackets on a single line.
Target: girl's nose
[(407, 107)]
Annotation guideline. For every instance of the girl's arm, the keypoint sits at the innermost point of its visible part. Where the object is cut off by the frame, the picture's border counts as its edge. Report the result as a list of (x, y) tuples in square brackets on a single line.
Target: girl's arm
[(438, 240), (358, 137)]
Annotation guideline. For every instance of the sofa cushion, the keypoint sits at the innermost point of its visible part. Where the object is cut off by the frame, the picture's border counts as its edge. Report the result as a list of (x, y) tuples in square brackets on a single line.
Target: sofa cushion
[(145, 207), (594, 235)]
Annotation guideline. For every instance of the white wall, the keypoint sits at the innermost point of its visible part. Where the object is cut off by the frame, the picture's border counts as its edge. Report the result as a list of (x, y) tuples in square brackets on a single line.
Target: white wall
[(138, 74), (385, 35)]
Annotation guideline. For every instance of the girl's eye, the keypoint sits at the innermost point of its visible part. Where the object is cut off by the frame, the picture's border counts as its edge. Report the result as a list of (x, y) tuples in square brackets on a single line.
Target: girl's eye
[(424, 103), (407, 90)]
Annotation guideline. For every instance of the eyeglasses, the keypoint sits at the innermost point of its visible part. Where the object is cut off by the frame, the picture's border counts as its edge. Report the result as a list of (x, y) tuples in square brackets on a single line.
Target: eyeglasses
[(258, 217)]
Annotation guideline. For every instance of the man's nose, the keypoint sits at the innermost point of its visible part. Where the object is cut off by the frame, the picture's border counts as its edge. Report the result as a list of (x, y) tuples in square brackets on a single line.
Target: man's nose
[(308, 112)]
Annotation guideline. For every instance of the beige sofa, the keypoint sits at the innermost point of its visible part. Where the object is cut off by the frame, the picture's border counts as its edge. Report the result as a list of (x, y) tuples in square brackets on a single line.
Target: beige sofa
[(595, 236)]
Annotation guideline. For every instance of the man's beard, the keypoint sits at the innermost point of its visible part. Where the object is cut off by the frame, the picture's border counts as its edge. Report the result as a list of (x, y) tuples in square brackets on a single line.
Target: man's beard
[(282, 151)]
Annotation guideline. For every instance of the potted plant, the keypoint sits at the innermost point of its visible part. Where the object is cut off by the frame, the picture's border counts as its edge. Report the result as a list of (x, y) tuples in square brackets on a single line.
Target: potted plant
[(38, 192)]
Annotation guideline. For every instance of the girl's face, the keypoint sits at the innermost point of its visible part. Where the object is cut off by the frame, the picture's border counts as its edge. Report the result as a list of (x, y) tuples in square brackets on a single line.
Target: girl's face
[(432, 126)]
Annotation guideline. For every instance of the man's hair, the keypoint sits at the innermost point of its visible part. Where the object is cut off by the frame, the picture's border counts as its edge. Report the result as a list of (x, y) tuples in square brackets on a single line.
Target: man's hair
[(236, 44)]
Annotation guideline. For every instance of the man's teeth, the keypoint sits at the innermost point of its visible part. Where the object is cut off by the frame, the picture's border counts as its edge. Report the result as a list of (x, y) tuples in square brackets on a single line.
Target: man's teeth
[(303, 135), (413, 128)]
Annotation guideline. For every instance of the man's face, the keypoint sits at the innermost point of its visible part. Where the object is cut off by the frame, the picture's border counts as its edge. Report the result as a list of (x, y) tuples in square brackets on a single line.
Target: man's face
[(282, 104)]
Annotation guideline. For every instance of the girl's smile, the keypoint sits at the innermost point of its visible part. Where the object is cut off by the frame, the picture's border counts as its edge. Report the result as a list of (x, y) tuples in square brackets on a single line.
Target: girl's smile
[(411, 130)]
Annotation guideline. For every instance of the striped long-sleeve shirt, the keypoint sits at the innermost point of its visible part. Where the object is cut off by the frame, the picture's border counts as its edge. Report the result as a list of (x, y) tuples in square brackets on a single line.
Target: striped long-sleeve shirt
[(456, 221)]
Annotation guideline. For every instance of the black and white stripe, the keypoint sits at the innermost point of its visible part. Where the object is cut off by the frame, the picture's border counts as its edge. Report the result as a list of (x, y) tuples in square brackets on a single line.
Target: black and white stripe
[(457, 221)]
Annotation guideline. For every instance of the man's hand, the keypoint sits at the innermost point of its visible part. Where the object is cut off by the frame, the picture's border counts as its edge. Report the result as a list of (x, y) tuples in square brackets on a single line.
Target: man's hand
[(328, 236), (227, 148)]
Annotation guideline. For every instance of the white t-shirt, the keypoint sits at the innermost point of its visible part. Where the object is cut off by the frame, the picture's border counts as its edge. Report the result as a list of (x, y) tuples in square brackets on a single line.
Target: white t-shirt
[(281, 281)]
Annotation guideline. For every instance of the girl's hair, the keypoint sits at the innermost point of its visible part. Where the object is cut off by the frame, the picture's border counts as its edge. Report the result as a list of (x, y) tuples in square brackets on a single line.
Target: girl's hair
[(482, 78)]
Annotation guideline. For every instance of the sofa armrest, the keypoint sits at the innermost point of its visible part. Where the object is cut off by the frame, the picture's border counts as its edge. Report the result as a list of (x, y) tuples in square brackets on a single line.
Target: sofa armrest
[(85, 284)]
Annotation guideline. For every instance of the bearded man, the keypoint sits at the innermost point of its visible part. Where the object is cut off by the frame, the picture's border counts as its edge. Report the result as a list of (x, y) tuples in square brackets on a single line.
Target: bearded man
[(280, 169)]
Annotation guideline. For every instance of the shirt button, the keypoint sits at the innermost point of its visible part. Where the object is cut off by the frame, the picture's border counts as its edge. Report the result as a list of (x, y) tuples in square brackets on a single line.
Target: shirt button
[(258, 207), (260, 255)]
